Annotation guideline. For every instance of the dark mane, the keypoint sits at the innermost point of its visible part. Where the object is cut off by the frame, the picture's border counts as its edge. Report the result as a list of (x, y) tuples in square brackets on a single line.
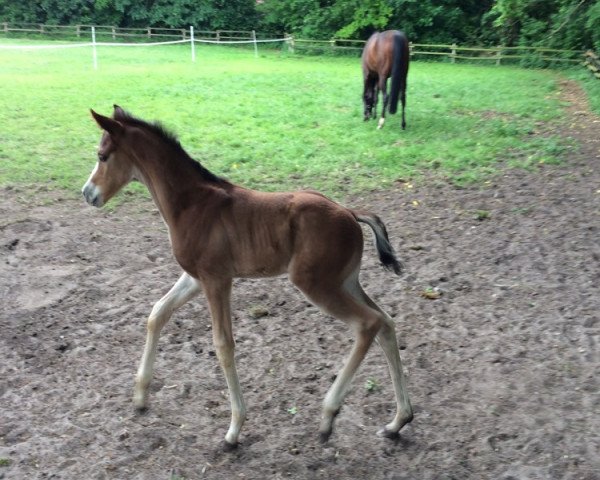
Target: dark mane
[(168, 137)]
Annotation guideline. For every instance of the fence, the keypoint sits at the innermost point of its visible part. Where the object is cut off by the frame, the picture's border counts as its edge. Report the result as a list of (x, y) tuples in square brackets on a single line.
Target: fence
[(179, 36), (453, 52), (531, 56), (125, 34), (592, 62)]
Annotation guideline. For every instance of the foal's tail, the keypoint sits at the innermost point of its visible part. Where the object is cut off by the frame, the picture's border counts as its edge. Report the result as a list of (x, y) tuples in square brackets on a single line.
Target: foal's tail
[(382, 242), (399, 49)]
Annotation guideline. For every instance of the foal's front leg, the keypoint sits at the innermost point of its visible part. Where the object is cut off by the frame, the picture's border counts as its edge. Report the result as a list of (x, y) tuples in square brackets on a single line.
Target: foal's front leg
[(218, 294), (184, 290)]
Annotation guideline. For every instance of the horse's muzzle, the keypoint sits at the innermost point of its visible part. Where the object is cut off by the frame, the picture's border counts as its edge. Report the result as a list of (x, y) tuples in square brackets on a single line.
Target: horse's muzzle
[(92, 194)]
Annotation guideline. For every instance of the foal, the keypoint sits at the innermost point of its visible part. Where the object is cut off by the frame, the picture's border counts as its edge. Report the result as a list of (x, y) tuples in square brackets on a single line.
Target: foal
[(220, 231)]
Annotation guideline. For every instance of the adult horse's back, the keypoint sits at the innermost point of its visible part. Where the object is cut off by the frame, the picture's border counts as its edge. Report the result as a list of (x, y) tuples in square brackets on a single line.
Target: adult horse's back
[(386, 54)]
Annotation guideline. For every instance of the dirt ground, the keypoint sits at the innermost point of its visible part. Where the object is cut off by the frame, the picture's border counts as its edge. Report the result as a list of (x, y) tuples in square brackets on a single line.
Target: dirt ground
[(503, 368)]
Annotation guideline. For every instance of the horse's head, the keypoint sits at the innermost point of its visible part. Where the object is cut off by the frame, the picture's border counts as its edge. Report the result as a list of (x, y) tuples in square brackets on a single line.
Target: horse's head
[(114, 168)]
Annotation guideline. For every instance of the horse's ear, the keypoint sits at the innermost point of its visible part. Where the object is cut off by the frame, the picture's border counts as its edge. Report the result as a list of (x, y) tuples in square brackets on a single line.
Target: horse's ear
[(118, 111), (109, 125)]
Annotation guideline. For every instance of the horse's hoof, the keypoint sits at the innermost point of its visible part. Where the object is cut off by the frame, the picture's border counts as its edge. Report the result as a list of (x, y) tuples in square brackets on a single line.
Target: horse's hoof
[(141, 409), (229, 447), (324, 437), (380, 124), (385, 433)]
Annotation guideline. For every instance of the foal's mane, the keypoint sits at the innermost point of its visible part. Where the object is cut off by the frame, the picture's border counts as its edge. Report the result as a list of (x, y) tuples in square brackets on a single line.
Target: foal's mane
[(168, 137)]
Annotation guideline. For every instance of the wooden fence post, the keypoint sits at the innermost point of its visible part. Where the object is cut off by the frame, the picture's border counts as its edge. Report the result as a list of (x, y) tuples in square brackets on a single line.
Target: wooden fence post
[(5, 27), (183, 33), (289, 42), (411, 48), (41, 28), (218, 36), (149, 32), (453, 54), (499, 55), (113, 32), (592, 62)]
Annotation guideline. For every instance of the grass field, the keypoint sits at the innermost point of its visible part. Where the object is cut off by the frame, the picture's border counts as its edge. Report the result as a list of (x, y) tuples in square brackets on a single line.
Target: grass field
[(273, 122)]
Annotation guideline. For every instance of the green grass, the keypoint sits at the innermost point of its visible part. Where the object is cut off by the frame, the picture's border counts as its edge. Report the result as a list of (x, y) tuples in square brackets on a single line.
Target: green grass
[(273, 122)]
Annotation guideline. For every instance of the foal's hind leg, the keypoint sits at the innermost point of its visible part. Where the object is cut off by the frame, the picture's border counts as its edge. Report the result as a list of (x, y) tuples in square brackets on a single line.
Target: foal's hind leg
[(386, 338), (185, 289), (366, 323)]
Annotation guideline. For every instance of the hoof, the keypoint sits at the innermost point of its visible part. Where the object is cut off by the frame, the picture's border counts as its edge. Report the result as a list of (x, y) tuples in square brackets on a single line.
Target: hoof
[(324, 437), (141, 410), (385, 433), (394, 434), (380, 123), (229, 447)]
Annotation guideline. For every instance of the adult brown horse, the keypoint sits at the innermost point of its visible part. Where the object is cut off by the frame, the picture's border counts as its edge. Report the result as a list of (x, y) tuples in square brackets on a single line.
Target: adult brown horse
[(385, 55), (220, 231)]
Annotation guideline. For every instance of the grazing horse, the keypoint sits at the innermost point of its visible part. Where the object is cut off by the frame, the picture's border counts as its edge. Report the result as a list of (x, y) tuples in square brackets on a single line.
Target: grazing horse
[(220, 231), (385, 55)]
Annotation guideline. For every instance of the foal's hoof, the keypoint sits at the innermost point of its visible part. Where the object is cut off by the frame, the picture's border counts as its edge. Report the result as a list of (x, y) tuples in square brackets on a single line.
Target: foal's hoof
[(394, 433), (324, 437), (229, 447), (141, 410), (385, 433)]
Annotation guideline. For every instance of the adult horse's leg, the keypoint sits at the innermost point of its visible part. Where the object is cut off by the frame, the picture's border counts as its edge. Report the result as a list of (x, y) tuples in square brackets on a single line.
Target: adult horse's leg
[(375, 99), (218, 293), (369, 95), (383, 88), (184, 289), (403, 100), (386, 338)]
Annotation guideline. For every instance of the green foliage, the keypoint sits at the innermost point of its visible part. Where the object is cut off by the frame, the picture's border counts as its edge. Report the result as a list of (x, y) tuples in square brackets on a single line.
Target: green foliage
[(368, 15), (372, 385), (206, 15), (566, 24)]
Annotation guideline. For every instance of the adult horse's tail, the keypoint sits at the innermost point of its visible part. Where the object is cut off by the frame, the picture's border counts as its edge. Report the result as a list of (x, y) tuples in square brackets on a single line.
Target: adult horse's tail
[(399, 68)]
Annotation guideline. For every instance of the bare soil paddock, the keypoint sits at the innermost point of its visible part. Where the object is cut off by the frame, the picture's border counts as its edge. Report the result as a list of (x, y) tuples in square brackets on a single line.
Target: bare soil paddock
[(503, 368)]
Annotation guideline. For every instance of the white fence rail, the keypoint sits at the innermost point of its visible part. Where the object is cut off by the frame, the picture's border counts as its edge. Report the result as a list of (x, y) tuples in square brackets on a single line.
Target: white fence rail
[(187, 36), (108, 35)]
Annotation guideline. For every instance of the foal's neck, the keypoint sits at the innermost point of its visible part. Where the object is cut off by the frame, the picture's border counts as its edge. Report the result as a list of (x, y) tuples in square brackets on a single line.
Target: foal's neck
[(171, 177)]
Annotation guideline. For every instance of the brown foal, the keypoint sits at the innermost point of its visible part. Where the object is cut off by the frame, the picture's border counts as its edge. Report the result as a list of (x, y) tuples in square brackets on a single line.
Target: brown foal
[(220, 231)]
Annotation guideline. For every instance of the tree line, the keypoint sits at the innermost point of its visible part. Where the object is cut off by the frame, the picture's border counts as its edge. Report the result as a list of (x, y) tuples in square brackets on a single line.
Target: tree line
[(568, 24)]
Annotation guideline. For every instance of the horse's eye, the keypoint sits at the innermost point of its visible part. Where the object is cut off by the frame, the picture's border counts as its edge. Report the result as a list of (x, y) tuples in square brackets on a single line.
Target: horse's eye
[(102, 157)]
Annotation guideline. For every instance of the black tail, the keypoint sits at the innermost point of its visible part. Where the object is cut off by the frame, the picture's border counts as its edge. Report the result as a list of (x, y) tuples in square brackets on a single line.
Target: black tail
[(382, 242), (397, 70)]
